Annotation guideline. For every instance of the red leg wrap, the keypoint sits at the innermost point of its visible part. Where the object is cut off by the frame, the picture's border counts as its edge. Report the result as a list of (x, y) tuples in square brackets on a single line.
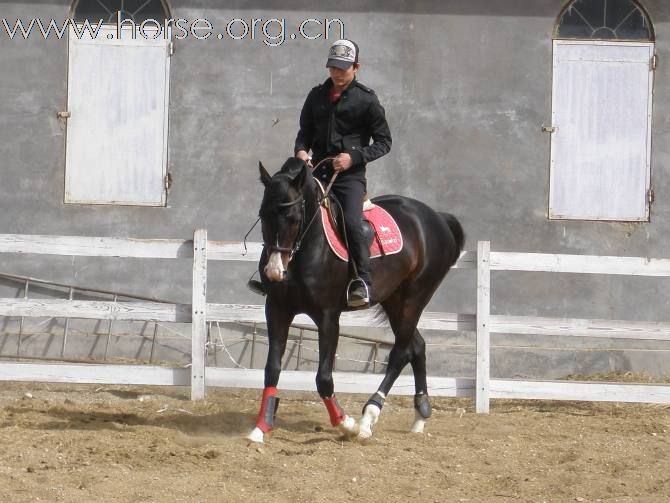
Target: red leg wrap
[(334, 410), (269, 402)]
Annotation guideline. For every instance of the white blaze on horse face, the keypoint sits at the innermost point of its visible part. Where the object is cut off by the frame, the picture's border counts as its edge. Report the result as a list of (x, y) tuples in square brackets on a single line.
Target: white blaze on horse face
[(274, 270)]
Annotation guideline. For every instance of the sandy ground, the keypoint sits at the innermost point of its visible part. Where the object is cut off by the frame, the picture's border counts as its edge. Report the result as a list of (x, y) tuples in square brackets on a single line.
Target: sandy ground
[(137, 444)]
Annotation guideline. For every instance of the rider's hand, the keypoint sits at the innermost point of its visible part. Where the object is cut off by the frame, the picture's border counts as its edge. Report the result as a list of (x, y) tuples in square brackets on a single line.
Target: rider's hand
[(302, 155), (342, 162)]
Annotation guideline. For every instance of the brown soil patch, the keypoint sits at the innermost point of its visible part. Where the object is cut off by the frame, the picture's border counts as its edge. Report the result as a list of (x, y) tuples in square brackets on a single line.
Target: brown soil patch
[(140, 444)]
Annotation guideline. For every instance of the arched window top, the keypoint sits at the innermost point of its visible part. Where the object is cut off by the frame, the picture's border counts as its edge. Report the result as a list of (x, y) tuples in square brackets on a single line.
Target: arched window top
[(136, 10), (604, 20)]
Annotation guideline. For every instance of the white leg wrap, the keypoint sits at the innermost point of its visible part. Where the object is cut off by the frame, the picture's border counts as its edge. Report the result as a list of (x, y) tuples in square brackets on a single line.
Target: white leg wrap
[(348, 426), (256, 435), (419, 423), (369, 419)]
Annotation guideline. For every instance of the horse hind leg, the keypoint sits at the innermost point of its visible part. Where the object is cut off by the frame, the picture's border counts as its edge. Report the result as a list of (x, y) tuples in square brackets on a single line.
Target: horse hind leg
[(371, 412), (422, 408), (408, 348), (398, 358)]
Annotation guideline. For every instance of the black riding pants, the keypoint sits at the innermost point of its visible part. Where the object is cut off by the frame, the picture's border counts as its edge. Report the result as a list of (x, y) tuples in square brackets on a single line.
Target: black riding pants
[(350, 191)]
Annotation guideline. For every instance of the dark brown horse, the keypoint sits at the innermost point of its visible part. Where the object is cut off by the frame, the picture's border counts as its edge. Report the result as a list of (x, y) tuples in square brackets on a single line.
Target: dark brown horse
[(302, 275)]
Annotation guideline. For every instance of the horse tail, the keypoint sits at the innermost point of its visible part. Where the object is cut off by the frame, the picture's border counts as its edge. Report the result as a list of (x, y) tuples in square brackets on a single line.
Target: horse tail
[(455, 228), (379, 315), (457, 233)]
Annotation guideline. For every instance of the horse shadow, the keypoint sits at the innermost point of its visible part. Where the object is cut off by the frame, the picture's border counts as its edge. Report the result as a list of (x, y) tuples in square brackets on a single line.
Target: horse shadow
[(227, 423), (60, 418)]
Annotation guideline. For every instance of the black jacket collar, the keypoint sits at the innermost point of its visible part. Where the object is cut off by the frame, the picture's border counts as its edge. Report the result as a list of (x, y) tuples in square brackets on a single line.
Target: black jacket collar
[(328, 85)]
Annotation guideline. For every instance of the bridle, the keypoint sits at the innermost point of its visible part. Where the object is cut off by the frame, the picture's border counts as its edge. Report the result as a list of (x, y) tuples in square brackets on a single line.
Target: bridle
[(302, 232)]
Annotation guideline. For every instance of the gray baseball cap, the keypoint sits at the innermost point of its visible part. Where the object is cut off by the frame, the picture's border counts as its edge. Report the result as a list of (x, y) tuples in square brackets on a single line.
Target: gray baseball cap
[(342, 54)]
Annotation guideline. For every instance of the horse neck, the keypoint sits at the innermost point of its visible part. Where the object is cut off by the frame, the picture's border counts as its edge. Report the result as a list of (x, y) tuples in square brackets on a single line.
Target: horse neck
[(312, 196)]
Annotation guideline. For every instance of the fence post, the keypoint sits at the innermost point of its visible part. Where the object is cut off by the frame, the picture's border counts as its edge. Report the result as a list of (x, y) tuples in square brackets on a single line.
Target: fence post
[(483, 335), (199, 315)]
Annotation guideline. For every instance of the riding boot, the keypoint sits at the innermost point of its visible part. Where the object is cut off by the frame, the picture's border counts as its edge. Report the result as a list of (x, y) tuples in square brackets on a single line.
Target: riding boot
[(361, 291), (350, 190), (259, 287)]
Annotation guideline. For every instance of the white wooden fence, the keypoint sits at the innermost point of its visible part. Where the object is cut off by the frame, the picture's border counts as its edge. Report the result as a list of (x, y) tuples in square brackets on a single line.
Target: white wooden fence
[(200, 312)]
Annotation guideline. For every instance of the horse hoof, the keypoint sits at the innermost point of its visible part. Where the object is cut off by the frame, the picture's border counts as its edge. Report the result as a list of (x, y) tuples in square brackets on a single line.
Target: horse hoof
[(348, 426), (364, 434), (419, 422), (369, 419), (256, 435), (418, 425)]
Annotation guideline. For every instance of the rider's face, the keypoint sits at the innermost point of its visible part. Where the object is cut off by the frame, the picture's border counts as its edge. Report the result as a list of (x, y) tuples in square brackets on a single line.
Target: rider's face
[(342, 78)]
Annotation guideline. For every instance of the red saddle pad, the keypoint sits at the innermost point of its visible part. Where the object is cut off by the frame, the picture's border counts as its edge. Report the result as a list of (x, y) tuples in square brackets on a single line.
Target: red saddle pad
[(386, 229)]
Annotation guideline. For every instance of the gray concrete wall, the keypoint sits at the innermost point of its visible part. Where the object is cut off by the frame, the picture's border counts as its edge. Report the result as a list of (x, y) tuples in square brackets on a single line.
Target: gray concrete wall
[(466, 86)]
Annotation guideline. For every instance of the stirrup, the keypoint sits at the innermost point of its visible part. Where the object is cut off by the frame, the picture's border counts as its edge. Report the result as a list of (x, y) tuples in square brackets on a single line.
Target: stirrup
[(362, 302)]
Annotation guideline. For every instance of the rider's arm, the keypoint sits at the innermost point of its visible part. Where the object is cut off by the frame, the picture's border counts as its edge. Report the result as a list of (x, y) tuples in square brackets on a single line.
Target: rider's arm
[(305, 137), (380, 132)]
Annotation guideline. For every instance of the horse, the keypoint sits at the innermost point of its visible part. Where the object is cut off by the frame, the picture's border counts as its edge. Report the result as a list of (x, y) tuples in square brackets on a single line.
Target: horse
[(302, 275)]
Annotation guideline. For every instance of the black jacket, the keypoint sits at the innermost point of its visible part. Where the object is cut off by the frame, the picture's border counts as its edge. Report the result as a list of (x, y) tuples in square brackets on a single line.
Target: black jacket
[(346, 126)]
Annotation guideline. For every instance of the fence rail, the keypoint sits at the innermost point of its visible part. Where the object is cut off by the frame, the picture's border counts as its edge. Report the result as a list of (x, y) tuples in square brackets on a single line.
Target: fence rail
[(201, 250)]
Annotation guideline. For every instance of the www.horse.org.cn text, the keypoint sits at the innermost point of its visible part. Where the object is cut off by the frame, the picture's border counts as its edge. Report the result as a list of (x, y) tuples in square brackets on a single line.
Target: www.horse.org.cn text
[(272, 32)]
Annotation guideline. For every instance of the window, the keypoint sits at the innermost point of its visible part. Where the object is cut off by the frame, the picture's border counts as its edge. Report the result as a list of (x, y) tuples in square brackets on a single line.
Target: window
[(601, 112), (135, 10), (604, 20), (118, 94)]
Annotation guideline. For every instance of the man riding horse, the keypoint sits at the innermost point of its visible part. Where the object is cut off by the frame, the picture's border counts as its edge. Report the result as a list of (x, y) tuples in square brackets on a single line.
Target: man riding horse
[(301, 271), (337, 122)]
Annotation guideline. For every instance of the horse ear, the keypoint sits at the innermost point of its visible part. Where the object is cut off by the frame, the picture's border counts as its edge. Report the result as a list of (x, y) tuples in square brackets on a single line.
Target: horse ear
[(265, 176), (299, 181)]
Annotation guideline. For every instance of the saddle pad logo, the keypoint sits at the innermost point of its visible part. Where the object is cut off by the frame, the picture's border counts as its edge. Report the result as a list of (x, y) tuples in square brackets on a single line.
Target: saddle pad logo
[(387, 241)]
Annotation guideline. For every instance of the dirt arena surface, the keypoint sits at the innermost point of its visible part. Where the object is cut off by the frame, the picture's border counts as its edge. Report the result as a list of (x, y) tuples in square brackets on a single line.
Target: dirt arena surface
[(148, 444)]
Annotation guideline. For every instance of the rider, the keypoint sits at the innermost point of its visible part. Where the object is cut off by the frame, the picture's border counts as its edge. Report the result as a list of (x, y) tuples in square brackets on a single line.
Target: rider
[(338, 120)]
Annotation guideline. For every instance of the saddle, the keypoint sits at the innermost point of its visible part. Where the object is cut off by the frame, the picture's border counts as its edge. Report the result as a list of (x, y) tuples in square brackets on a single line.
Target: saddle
[(379, 229)]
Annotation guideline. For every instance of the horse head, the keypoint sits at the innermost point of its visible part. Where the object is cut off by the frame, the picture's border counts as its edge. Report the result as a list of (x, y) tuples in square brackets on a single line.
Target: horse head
[(282, 214)]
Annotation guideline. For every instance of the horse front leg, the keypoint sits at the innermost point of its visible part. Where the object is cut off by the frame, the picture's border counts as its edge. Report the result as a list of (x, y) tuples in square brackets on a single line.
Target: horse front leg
[(329, 334), (278, 320)]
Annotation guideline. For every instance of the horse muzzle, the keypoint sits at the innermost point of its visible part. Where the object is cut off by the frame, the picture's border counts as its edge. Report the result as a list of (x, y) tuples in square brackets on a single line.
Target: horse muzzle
[(276, 268)]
